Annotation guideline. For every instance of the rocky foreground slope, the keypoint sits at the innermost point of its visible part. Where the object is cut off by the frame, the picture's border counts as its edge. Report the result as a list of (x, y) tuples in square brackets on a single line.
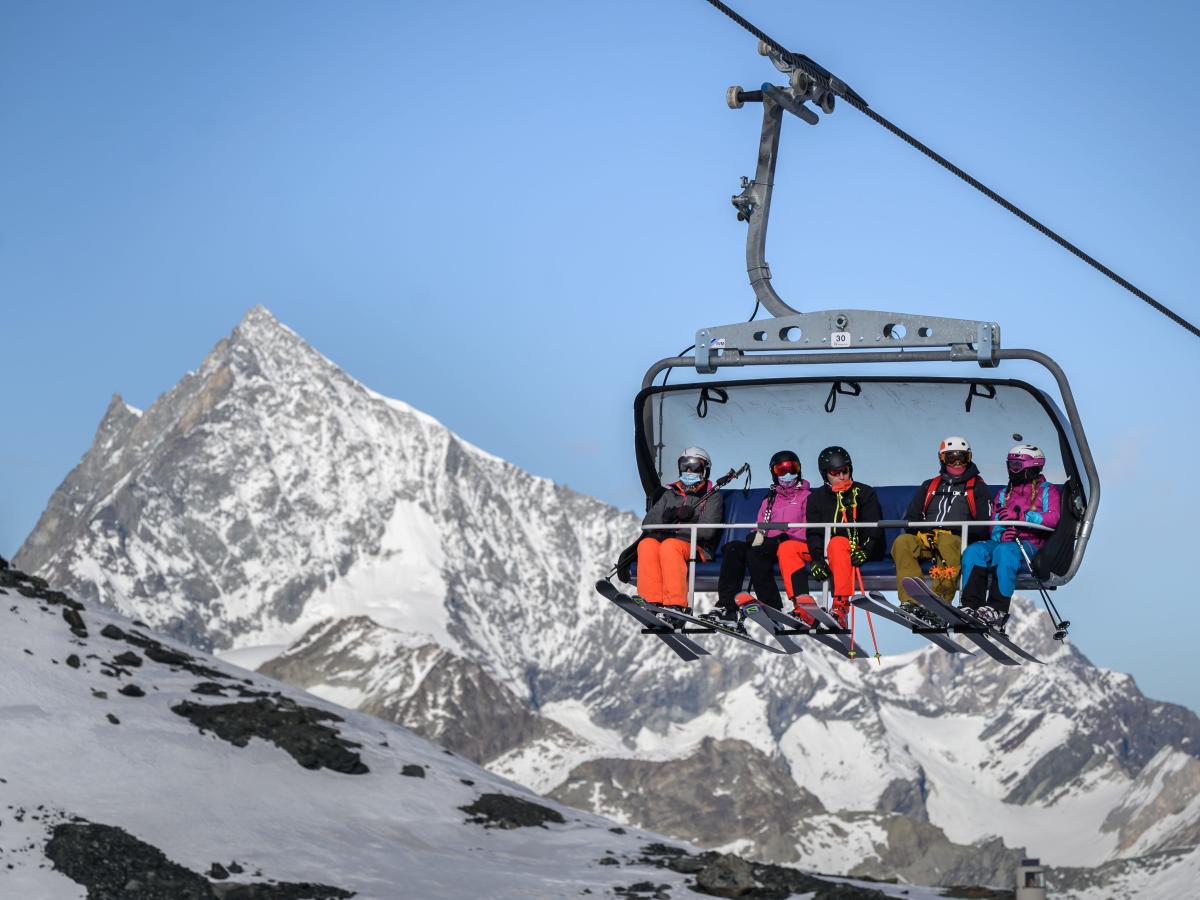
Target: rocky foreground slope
[(135, 768)]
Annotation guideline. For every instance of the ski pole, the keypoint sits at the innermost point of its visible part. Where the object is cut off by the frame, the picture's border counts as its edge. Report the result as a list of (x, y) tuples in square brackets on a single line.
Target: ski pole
[(851, 653), (863, 586), (1060, 626)]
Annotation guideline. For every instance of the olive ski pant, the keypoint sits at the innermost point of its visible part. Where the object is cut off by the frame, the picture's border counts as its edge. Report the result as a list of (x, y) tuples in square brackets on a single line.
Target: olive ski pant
[(908, 551)]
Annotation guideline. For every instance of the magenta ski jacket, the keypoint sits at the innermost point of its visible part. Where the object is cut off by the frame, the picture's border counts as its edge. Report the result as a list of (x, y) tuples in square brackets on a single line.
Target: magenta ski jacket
[(786, 504), (1038, 502)]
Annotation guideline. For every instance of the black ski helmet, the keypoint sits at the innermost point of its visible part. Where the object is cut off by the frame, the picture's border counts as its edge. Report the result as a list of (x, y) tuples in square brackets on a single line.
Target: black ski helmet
[(833, 458), (784, 456)]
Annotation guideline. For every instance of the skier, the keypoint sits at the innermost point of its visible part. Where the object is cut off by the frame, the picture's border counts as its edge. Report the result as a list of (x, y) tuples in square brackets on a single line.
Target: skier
[(955, 494), (786, 501), (663, 555), (841, 499), (1027, 498)]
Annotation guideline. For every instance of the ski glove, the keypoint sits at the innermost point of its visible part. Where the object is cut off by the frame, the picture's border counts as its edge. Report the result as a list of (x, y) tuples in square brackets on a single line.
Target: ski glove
[(819, 569), (674, 515), (858, 556)]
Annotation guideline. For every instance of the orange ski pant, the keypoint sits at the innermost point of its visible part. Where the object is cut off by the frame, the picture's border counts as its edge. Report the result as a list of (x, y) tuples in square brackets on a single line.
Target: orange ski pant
[(793, 556), (662, 570), (838, 554)]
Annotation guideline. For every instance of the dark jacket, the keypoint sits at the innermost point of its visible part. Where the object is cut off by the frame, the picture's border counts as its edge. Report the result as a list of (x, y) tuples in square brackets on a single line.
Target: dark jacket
[(949, 502), (710, 511), (861, 505)]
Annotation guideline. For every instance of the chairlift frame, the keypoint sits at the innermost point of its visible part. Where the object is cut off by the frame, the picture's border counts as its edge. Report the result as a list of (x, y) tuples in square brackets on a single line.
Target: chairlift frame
[(850, 337)]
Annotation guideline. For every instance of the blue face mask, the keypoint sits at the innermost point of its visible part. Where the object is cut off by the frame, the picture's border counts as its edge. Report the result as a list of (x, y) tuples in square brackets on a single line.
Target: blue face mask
[(788, 479), (691, 479)]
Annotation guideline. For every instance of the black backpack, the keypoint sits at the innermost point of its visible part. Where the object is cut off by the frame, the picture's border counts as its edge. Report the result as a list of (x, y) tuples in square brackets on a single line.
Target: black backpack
[(1055, 556)]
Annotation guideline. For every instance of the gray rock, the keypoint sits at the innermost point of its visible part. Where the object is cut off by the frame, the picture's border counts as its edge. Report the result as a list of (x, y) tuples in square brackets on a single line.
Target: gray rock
[(726, 876)]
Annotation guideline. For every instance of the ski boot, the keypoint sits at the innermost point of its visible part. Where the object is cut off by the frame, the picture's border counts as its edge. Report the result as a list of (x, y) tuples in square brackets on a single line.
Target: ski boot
[(995, 611), (989, 616), (840, 610), (726, 618), (917, 611), (802, 609)]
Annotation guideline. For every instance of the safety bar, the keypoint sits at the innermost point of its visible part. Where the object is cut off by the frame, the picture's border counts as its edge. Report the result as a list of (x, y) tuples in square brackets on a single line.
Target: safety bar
[(962, 524)]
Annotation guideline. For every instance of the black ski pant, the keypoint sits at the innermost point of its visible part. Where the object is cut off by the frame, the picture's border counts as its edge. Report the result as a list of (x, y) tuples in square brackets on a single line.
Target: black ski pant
[(739, 556)]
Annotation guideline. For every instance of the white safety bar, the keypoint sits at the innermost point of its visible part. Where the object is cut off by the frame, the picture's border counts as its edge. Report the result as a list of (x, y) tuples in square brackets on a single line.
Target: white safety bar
[(828, 527)]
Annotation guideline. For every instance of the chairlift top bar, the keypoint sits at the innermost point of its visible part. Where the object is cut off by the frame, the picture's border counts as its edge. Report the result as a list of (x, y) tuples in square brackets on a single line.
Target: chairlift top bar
[(846, 330)]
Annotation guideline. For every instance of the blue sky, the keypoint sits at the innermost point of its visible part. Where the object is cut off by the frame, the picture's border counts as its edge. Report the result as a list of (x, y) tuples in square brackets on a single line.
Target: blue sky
[(502, 213)]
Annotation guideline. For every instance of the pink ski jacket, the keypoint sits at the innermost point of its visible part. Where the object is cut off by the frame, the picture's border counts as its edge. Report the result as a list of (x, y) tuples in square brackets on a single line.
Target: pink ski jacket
[(1038, 502), (786, 504)]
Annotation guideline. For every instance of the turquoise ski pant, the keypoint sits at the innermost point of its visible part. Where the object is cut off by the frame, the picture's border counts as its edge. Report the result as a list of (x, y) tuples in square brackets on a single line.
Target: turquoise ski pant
[(1005, 557)]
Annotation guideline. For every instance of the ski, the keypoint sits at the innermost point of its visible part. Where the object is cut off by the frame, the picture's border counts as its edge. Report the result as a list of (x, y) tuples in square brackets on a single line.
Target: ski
[(826, 618), (683, 646), (829, 640), (877, 604), (976, 631), (676, 614), (756, 612), (994, 633)]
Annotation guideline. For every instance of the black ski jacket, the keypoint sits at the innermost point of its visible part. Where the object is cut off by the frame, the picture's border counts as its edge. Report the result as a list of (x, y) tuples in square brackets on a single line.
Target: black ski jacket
[(949, 502), (863, 506)]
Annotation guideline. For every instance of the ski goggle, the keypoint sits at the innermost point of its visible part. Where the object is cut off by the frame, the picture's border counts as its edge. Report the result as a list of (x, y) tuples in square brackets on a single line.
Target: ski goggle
[(693, 464), (839, 472), (956, 457), (1020, 463), (786, 467)]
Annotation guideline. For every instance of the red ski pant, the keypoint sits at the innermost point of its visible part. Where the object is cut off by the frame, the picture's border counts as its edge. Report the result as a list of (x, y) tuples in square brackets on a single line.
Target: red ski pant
[(662, 570), (837, 552), (793, 556)]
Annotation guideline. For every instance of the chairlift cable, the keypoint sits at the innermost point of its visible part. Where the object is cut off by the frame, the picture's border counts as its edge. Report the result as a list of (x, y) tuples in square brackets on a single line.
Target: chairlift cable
[(843, 90)]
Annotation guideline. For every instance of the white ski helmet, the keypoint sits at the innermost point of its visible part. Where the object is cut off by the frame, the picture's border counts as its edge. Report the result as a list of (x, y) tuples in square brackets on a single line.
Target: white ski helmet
[(954, 443), (695, 455)]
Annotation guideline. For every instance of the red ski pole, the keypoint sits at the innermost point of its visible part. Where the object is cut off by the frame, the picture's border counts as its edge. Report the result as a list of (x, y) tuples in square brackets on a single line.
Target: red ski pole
[(862, 585), (852, 654)]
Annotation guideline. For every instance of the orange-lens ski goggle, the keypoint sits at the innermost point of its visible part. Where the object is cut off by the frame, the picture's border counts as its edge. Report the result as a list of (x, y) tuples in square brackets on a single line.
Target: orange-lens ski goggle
[(786, 467), (839, 471)]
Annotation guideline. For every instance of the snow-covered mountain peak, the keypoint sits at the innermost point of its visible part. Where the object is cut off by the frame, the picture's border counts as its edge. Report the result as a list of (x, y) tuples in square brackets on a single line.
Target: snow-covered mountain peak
[(269, 490)]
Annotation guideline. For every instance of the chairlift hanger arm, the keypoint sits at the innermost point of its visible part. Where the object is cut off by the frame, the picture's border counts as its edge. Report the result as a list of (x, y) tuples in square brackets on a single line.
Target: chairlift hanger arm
[(823, 82), (753, 204)]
